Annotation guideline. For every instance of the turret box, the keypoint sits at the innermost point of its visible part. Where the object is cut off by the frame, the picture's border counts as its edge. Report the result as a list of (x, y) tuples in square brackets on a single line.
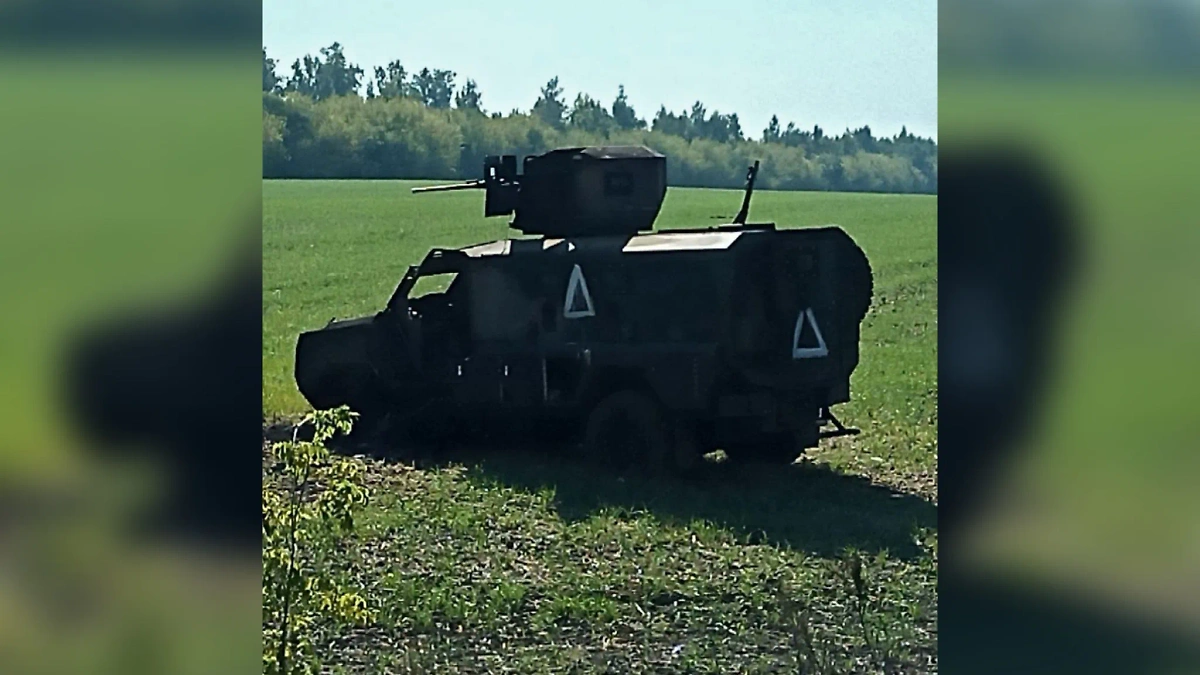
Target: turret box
[(575, 192)]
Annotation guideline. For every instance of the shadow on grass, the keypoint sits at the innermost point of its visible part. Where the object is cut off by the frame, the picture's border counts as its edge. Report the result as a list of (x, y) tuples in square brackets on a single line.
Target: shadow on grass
[(805, 507), (1009, 626)]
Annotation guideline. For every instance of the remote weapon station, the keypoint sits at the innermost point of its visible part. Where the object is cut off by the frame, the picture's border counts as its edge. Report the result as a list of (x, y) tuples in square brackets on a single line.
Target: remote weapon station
[(648, 348)]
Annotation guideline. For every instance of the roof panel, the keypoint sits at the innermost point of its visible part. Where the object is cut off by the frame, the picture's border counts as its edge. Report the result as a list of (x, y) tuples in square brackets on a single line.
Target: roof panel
[(681, 241), (645, 243), (619, 152), (500, 247)]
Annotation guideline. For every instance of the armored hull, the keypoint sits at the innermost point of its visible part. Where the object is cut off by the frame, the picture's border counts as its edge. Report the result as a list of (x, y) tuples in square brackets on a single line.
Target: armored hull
[(740, 337), (746, 335)]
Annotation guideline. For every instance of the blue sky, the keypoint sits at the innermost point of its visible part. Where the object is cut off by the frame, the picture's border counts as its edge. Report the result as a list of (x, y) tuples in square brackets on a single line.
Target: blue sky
[(837, 63)]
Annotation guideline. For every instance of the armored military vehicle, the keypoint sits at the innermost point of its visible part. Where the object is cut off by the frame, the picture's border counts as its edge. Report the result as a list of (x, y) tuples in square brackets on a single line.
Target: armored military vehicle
[(648, 348)]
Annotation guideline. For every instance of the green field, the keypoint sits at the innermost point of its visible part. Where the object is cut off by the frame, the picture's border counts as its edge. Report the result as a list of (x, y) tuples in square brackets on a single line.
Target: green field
[(533, 563)]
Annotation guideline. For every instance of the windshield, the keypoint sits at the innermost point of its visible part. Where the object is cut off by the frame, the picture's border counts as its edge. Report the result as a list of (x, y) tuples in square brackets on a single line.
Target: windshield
[(437, 262)]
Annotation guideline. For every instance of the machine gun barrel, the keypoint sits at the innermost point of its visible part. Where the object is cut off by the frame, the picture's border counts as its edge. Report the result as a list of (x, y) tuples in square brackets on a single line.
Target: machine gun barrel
[(469, 185)]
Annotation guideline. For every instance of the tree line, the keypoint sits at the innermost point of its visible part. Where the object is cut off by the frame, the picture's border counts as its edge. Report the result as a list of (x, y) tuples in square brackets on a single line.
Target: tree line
[(327, 118)]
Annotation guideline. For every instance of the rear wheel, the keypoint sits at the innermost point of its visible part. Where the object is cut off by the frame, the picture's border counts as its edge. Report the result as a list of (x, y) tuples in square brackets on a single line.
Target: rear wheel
[(625, 430)]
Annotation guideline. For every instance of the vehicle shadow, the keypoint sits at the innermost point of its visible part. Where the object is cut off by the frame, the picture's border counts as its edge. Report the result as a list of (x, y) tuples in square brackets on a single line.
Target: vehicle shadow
[(805, 507)]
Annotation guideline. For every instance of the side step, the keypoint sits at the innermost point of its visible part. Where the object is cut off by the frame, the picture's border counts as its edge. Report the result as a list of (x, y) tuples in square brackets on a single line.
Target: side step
[(826, 417)]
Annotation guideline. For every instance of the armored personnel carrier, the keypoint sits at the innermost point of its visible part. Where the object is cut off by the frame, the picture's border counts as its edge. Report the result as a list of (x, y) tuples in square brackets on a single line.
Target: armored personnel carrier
[(648, 348)]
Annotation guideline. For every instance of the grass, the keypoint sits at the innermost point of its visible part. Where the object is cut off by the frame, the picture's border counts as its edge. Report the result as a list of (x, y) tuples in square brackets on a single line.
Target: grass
[(529, 562)]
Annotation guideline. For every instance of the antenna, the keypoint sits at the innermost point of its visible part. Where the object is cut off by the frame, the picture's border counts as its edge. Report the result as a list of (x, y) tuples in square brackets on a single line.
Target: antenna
[(751, 174)]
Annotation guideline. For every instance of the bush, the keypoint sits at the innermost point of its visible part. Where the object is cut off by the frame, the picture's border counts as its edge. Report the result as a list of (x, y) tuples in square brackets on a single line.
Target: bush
[(309, 500)]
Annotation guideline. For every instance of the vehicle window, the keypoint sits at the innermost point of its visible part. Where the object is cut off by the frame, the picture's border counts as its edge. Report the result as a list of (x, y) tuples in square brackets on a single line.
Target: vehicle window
[(434, 283)]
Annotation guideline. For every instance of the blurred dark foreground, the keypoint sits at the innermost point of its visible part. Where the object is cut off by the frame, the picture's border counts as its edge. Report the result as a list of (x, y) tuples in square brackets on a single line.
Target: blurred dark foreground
[(1068, 515), (130, 356)]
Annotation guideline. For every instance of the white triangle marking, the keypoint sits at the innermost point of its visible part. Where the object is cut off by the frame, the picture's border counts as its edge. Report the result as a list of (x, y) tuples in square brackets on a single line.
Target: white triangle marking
[(799, 352), (577, 284)]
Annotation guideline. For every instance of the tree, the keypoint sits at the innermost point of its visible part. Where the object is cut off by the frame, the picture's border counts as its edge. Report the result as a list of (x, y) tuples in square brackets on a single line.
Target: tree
[(695, 122), (274, 151), (336, 76), (322, 79), (550, 106), (468, 98), (716, 127), (392, 82), (669, 123), (793, 137), (307, 137), (304, 76), (865, 140), (771, 133), (623, 113), (849, 143), (733, 128), (271, 81), (435, 88), (588, 115)]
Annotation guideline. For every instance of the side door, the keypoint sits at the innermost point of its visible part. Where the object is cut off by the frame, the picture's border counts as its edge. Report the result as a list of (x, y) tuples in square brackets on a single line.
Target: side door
[(500, 370)]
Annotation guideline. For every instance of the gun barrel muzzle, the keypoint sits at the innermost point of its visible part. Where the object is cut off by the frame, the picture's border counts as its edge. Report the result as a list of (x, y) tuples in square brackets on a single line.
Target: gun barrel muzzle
[(470, 185)]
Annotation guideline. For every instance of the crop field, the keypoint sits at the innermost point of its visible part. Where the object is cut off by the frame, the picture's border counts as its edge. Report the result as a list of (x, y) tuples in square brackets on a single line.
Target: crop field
[(476, 561)]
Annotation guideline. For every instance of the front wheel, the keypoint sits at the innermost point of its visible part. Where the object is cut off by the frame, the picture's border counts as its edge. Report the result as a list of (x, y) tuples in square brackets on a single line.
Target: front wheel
[(364, 395)]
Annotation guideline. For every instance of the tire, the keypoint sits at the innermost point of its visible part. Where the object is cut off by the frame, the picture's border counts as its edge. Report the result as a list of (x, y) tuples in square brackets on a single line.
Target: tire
[(363, 395), (858, 286), (625, 430)]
